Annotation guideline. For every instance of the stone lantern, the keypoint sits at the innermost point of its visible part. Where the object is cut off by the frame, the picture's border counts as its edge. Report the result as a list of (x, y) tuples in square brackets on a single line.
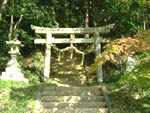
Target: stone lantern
[(13, 69)]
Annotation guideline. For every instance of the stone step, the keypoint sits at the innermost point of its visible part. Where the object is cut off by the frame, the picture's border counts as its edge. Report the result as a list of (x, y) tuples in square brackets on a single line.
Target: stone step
[(66, 81), (87, 110), (77, 72), (72, 93), (71, 65), (61, 88), (74, 105), (72, 99)]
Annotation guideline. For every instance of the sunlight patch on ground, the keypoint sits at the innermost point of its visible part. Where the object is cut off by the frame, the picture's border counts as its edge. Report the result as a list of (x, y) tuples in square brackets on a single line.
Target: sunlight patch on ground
[(57, 82)]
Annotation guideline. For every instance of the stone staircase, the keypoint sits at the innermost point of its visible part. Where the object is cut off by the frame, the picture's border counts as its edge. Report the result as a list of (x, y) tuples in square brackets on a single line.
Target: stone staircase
[(59, 99), (72, 92)]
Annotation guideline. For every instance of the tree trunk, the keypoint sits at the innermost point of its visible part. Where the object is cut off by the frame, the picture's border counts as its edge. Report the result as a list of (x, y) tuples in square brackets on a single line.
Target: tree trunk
[(89, 16), (11, 27), (90, 6), (3, 7), (70, 14), (87, 21)]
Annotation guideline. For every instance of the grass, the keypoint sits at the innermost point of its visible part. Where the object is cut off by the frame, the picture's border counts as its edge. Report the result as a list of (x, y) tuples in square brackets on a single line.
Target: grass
[(126, 101), (18, 97)]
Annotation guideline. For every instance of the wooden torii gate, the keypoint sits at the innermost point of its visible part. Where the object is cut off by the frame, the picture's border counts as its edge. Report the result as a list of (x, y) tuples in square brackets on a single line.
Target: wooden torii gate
[(96, 31)]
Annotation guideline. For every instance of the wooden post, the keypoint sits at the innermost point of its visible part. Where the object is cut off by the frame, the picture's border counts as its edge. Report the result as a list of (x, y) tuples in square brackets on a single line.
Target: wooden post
[(97, 52), (72, 37), (47, 57)]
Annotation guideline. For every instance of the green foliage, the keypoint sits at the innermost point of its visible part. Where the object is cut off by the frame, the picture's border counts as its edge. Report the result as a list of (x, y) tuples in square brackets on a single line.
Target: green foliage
[(111, 73), (128, 15), (129, 101), (140, 76), (33, 67), (143, 36), (131, 93), (18, 97), (3, 62)]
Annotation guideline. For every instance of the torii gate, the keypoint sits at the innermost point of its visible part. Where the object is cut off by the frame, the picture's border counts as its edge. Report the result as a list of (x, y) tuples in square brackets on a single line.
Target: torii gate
[(96, 31)]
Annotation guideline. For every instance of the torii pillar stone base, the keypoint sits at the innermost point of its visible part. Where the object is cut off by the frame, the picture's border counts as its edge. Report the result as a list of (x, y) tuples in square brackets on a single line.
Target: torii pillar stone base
[(13, 70)]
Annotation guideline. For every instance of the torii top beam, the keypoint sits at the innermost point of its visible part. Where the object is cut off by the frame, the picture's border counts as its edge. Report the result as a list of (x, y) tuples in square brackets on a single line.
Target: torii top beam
[(91, 30)]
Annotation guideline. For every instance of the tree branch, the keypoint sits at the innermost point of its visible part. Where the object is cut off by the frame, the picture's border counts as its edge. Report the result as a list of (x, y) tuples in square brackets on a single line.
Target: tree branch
[(17, 24), (11, 27), (3, 7)]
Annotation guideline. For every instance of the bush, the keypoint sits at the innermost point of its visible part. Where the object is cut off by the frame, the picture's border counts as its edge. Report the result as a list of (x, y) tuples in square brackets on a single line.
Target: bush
[(140, 76)]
